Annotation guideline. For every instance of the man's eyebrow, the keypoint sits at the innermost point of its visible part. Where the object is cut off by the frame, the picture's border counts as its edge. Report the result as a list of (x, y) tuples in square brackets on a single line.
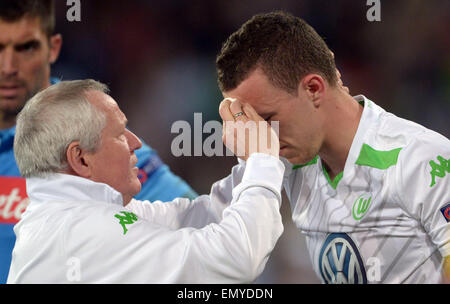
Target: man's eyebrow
[(31, 42), (25, 43)]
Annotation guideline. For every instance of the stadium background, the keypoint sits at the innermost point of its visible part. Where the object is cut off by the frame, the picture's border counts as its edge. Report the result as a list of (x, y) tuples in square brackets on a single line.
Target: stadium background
[(158, 59)]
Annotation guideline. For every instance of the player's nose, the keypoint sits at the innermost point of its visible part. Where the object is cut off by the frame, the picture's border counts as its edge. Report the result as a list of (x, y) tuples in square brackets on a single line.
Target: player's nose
[(8, 63)]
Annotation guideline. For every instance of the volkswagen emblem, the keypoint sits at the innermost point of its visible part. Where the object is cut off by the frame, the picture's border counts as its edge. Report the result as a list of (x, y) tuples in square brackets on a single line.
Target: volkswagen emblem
[(340, 261)]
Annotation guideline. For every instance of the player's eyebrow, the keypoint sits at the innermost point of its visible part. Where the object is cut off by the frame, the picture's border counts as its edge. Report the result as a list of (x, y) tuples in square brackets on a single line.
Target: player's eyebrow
[(33, 43)]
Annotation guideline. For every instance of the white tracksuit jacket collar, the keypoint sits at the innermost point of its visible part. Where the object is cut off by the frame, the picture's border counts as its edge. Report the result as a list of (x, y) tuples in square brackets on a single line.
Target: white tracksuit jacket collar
[(64, 187)]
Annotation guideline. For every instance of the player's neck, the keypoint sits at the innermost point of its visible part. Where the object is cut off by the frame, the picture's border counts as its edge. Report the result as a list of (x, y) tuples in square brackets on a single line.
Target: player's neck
[(344, 114)]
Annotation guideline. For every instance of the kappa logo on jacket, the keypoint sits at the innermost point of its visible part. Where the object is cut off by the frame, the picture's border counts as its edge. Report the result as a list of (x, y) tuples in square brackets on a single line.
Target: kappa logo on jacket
[(127, 218)]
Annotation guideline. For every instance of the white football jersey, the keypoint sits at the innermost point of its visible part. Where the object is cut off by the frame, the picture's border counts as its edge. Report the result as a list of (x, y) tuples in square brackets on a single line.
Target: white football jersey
[(384, 219)]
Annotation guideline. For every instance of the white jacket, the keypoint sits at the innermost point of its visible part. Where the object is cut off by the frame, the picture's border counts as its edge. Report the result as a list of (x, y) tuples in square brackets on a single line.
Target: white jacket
[(77, 231)]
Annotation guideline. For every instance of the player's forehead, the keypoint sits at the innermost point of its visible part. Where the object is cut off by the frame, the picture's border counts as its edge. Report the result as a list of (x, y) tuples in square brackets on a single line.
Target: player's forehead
[(257, 91), (21, 30)]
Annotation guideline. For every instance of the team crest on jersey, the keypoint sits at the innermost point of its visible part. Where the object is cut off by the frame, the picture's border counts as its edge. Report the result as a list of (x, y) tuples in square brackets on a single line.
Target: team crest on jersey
[(340, 261), (446, 212), (361, 206)]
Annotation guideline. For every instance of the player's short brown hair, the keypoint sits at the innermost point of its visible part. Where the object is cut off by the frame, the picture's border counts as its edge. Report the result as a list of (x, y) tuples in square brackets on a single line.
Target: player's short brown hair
[(285, 47), (14, 10)]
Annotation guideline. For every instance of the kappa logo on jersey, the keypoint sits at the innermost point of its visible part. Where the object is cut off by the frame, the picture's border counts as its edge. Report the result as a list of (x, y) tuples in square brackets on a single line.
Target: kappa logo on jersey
[(13, 199), (340, 261), (360, 206), (446, 212), (439, 170)]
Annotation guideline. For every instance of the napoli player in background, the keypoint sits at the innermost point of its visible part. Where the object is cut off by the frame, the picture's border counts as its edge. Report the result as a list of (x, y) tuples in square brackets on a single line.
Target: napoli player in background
[(28, 47)]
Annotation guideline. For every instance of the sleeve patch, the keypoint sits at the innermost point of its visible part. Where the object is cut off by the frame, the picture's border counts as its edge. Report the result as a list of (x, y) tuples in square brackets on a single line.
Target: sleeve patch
[(446, 212)]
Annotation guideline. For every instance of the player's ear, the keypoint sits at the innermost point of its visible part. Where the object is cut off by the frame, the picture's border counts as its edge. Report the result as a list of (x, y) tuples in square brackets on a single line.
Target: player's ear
[(55, 47), (313, 85), (77, 160)]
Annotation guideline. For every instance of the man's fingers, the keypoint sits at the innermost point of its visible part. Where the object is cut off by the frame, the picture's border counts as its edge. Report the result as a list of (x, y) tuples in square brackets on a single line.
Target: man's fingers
[(251, 113), (245, 132), (231, 109), (224, 110), (237, 111)]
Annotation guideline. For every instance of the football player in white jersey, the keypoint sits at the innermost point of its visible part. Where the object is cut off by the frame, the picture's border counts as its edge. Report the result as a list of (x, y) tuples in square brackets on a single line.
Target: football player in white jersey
[(370, 191)]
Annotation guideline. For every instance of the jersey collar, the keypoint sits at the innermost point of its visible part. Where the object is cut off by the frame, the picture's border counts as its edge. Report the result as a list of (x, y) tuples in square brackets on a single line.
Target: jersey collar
[(65, 187), (370, 114)]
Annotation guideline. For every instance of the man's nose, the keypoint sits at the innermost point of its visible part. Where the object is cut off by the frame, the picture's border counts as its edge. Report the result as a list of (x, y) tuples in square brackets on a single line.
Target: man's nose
[(8, 63), (133, 141)]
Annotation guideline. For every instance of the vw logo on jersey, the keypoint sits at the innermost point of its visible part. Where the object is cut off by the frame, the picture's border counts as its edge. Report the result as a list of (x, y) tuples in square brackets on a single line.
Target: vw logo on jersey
[(340, 261)]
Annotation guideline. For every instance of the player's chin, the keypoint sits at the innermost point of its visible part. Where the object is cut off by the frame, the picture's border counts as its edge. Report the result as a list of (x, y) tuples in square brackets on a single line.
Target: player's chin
[(288, 153), (135, 187), (296, 159), (10, 104)]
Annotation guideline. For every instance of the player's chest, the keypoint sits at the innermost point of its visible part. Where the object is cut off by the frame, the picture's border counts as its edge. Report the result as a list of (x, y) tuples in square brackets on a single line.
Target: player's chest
[(346, 227), (360, 200)]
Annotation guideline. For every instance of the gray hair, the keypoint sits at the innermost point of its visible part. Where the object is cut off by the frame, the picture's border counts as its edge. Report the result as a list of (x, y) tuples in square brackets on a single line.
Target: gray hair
[(51, 121)]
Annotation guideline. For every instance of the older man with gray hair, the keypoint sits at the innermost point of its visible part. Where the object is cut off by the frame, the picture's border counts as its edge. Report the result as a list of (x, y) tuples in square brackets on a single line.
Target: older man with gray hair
[(83, 225)]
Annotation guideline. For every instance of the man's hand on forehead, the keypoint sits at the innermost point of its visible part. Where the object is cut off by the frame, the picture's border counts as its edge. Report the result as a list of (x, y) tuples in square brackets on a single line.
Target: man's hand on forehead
[(245, 132)]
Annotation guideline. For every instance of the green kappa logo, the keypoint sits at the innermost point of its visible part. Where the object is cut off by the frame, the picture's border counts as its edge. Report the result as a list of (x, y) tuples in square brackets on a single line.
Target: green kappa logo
[(439, 170), (127, 218), (360, 206)]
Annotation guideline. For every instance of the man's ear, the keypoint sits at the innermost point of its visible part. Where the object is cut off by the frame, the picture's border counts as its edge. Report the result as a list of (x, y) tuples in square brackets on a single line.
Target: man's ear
[(313, 85), (77, 160), (55, 47)]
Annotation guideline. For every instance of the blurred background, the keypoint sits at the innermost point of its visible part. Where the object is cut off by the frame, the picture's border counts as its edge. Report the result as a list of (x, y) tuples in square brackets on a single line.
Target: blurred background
[(158, 57)]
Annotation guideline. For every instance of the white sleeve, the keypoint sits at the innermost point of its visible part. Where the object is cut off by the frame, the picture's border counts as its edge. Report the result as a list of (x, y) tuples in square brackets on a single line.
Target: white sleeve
[(197, 213), (232, 251), (423, 179)]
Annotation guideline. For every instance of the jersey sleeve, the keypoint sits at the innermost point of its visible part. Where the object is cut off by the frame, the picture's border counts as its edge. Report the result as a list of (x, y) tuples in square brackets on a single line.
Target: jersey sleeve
[(196, 213), (423, 180), (234, 250), (158, 182)]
